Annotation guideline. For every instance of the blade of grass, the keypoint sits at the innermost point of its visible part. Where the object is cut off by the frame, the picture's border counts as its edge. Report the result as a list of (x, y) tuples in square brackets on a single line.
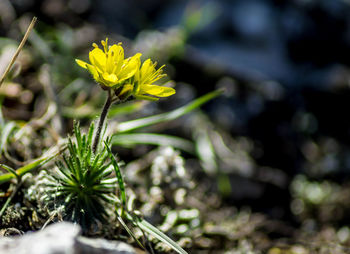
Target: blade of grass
[(5, 134), (3, 209), (25, 169), (150, 229), (121, 221), (32, 165), (147, 121), (119, 176), (129, 139), (10, 170), (22, 170)]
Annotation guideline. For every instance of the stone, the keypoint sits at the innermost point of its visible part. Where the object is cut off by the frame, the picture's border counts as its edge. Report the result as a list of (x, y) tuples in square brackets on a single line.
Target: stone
[(61, 238)]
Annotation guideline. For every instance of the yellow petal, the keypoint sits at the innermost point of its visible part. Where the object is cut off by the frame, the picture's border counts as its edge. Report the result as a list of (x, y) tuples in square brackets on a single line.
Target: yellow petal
[(81, 63), (98, 59), (149, 74), (126, 89), (110, 78), (145, 97), (130, 67), (146, 69), (160, 91), (115, 59), (92, 70)]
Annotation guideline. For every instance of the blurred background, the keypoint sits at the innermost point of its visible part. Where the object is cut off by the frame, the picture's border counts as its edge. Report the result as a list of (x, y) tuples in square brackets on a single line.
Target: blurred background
[(276, 144)]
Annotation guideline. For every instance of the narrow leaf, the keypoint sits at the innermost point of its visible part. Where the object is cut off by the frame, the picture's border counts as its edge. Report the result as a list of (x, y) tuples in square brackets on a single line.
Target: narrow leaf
[(128, 139), (164, 117), (118, 174), (150, 229), (121, 221), (25, 169), (9, 169), (5, 134)]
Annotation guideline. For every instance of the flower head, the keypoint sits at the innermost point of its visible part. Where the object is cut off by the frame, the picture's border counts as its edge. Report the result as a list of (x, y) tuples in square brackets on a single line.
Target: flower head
[(145, 76), (108, 66)]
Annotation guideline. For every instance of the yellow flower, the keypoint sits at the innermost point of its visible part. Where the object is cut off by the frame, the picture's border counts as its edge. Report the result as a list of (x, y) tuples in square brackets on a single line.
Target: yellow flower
[(108, 67), (144, 79)]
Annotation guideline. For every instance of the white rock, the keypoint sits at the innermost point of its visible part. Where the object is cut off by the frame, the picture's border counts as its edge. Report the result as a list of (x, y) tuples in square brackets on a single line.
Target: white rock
[(61, 238)]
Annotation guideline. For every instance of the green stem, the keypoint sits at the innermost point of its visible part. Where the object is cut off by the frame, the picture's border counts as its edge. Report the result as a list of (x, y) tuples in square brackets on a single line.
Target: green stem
[(101, 121), (18, 185)]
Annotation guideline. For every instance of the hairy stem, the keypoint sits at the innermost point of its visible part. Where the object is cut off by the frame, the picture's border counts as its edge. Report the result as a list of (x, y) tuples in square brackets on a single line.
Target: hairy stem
[(101, 120)]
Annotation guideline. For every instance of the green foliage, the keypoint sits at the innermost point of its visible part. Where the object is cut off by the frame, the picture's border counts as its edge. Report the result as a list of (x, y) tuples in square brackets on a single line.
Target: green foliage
[(118, 174), (26, 168), (130, 139), (152, 230), (6, 131), (82, 185), (168, 116)]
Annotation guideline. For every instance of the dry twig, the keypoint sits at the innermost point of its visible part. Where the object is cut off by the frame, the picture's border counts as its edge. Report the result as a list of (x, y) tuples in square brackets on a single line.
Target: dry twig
[(25, 37)]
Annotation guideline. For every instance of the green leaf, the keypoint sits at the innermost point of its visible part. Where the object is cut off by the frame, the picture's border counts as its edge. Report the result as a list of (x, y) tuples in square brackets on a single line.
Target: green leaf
[(25, 169), (5, 134), (118, 174), (29, 167), (150, 229), (164, 117), (129, 139), (121, 221), (36, 163), (9, 169), (90, 133)]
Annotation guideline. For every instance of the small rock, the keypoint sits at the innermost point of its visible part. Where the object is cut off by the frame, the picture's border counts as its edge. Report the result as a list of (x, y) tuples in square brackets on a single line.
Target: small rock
[(61, 238), (102, 246)]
